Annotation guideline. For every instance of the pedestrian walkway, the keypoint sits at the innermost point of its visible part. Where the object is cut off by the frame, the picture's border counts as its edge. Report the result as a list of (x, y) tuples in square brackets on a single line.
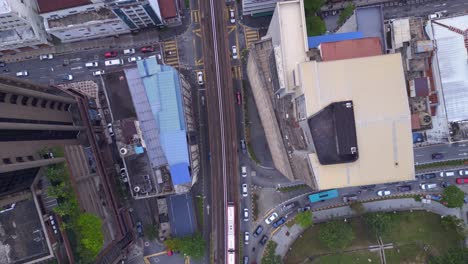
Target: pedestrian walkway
[(195, 14), (171, 53), (356, 3), (251, 35), (285, 236)]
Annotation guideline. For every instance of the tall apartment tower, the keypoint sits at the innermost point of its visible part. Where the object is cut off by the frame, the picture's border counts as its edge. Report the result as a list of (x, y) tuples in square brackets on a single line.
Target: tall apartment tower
[(32, 118)]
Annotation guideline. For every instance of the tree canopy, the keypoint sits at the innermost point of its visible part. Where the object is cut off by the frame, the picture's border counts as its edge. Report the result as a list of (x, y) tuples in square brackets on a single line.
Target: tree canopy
[(315, 26), (452, 256), (336, 235), (379, 223), (346, 13), (304, 219), (313, 6), (453, 196), (452, 222), (90, 233), (193, 246), (269, 257)]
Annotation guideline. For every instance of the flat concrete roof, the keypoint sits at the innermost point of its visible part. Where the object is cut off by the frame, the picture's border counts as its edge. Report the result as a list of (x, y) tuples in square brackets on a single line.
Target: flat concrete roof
[(376, 85)]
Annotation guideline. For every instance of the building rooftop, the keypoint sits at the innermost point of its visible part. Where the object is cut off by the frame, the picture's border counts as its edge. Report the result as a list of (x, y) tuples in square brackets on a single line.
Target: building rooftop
[(289, 37), (22, 238), (252, 7), (4, 7), (80, 18), (49, 6), (401, 32), (451, 55), (376, 86), (369, 21), (315, 41), (168, 8), (349, 49)]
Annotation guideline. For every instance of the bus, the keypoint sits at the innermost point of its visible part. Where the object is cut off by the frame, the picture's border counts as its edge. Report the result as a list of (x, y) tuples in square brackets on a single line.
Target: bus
[(322, 196), (231, 233)]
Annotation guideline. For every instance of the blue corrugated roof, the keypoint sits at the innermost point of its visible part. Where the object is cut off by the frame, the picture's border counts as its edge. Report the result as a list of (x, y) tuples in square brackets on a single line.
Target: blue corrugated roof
[(162, 87), (315, 41)]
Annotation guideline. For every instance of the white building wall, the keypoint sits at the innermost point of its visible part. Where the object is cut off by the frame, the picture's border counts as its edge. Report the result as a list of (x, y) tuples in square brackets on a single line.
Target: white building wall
[(139, 16)]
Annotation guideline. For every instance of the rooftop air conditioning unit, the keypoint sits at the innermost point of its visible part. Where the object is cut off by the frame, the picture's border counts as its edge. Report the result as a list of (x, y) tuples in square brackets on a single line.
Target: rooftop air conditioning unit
[(123, 151), (136, 189)]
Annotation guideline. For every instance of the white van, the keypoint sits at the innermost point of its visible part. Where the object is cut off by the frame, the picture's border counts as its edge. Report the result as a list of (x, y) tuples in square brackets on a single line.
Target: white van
[(427, 186), (93, 64), (114, 62)]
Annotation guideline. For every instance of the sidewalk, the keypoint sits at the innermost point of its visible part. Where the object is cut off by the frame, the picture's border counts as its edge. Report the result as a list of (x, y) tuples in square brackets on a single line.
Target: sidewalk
[(285, 237), (357, 3)]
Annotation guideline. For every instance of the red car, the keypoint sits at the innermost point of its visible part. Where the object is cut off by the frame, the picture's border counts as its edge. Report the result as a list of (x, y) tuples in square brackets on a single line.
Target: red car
[(147, 49), (110, 54), (461, 180), (238, 98)]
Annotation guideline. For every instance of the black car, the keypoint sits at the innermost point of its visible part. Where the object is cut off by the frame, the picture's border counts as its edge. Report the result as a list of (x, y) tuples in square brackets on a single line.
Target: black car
[(303, 209), (428, 176), (437, 155), (404, 188), (368, 187), (446, 184), (289, 206), (263, 240), (258, 231), (139, 227)]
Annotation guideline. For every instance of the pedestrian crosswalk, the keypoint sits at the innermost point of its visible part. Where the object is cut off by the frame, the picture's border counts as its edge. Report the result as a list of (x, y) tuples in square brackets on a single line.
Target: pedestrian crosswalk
[(171, 55), (251, 35), (195, 16), (237, 72)]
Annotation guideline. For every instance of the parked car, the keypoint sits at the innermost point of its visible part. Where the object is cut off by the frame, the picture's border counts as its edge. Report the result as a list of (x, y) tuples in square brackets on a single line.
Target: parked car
[(404, 188), (111, 130), (271, 218), (436, 197), (384, 192), (263, 240), (22, 74), (244, 190), (461, 180), (368, 187), (289, 206), (258, 231), (428, 186), (92, 64), (428, 176), (234, 52), (446, 184), (246, 260), (2, 64), (46, 57), (110, 54), (147, 49), (98, 73), (243, 146), (200, 78), (67, 77), (244, 171), (463, 172), (278, 223), (239, 98), (246, 214), (246, 237), (349, 198), (303, 209), (139, 228), (134, 59), (232, 16), (129, 51), (447, 174), (437, 155)]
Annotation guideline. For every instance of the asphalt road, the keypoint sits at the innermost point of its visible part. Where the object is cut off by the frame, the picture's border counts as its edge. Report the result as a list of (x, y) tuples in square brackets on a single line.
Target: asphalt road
[(450, 152)]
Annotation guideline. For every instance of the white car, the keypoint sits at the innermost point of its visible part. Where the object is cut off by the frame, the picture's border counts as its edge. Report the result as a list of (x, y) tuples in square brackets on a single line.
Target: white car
[(463, 172), (244, 190), (93, 64), (246, 238), (383, 193), (67, 77), (232, 16), (246, 214), (46, 57), (427, 186), (129, 51), (244, 171), (133, 59), (111, 130), (271, 218), (98, 73), (200, 78), (234, 52), (22, 74)]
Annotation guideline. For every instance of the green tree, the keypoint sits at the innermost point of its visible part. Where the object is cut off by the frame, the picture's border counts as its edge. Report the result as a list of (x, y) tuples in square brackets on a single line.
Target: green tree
[(90, 233), (304, 219), (379, 223), (336, 235), (453, 196), (313, 6), (67, 208), (452, 256), (269, 257), (357, 207), (193, 246), (346, 13), (150, 232), (451, 222), (315, 26)]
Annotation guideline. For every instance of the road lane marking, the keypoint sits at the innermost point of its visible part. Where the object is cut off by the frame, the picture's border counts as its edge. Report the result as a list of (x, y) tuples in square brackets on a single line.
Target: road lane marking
[(195, 16)]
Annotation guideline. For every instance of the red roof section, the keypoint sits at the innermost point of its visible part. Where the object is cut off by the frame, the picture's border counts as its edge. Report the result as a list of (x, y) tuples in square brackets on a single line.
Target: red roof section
[(350, 49), (168, 8), (46, 6), (415, 122)]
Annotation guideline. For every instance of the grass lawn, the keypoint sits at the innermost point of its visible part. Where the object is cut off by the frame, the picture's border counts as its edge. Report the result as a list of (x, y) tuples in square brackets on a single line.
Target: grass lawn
[(199, 204), (415, 236)]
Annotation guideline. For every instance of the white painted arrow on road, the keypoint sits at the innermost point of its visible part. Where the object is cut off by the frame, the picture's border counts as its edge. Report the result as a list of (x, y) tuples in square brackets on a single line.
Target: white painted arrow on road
[(208, 209)]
